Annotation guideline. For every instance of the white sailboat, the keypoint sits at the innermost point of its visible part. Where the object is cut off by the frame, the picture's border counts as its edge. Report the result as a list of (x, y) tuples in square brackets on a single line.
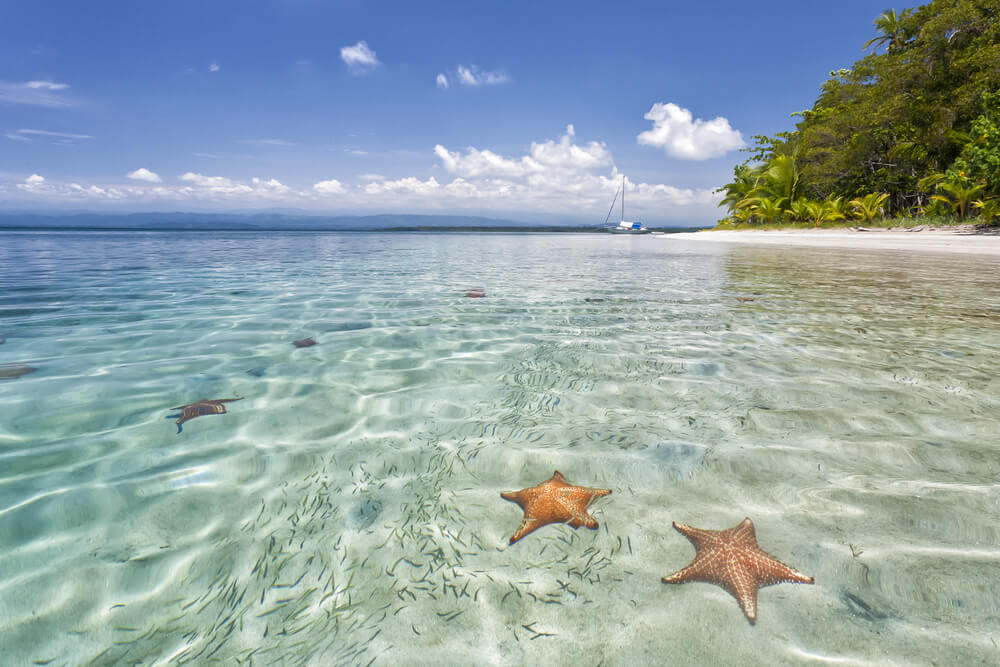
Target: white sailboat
[(624, 226)]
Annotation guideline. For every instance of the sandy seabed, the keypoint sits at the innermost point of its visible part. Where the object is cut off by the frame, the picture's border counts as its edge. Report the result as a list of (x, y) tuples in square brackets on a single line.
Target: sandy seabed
[(938, 240)]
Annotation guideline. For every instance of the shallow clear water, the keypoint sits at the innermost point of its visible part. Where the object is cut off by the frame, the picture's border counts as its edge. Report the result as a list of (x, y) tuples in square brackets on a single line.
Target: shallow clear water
[(348, 510)]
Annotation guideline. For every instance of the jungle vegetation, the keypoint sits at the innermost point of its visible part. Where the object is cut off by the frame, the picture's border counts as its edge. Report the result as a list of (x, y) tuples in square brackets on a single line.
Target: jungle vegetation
[(911, 130)]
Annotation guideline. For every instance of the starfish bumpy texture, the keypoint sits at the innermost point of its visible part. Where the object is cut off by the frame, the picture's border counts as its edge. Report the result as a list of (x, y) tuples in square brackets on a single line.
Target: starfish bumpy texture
[(731, 559), (554, 501), (201, 408)]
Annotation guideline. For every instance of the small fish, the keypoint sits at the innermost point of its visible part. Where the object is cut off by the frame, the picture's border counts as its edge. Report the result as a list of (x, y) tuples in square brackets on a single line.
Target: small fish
[(200, 409), (12, 371), (476, 293), (304, 342)]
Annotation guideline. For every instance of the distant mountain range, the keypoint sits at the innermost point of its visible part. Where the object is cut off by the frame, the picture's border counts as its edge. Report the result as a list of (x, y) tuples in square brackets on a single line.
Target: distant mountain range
[(274, 222)]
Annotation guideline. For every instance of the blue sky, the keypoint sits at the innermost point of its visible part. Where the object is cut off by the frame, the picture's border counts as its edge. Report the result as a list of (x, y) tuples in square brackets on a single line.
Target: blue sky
[(526, 110)]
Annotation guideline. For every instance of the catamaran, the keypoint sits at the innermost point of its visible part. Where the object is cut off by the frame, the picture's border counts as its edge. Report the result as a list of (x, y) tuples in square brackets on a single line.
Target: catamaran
[(624, 226)]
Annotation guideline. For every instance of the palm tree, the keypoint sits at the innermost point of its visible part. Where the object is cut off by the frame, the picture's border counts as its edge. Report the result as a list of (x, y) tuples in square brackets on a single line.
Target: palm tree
[(959, 196), (893, 29), (781, 180), (869, 206), (744, 182)]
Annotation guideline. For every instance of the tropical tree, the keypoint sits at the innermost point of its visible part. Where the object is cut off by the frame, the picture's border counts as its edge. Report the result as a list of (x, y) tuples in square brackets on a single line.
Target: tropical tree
[(959, 196), (894, 29), (869, 206)]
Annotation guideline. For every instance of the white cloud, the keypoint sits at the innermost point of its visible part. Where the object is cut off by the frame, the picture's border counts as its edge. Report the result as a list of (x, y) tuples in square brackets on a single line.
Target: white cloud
[(371, 177), (271, 185), (442, 81), (214, 67), (25, 134), (473, 76), (35, 93), (143, 174), (359, 58), (547, 156), (34, 179), (681, 137), (330, 187), (46, 85)]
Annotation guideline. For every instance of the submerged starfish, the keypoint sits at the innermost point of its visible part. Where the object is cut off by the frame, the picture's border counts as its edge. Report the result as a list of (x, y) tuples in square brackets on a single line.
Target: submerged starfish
[(554, 501), (304, 342), (200, 409), (731, 559)]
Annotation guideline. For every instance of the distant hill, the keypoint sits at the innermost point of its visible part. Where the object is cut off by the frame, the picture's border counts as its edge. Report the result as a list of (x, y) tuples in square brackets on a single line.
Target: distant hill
[(276, 222), (242, 221)]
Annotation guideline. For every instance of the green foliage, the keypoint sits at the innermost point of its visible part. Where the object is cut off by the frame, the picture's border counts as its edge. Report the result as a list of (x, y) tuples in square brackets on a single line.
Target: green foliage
[(989, 210), (867, 207), (959, 196), (980, 156), (908, 123)]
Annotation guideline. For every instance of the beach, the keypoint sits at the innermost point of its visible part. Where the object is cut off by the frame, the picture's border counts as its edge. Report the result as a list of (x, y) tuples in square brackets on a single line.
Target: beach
[(964, 240)]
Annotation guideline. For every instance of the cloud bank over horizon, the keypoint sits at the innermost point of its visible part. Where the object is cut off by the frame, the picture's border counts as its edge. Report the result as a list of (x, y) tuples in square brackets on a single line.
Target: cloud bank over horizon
[(553, 176)]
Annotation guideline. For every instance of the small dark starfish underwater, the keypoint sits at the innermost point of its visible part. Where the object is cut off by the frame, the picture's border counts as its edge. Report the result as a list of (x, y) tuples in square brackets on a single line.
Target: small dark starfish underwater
[(201, 408)]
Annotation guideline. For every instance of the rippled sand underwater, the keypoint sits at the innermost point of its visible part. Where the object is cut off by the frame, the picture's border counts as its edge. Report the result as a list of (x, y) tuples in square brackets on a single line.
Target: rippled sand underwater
[(348, 510)]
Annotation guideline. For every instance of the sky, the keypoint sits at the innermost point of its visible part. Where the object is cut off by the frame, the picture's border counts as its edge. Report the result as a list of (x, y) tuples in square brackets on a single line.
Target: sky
[(531, 111)]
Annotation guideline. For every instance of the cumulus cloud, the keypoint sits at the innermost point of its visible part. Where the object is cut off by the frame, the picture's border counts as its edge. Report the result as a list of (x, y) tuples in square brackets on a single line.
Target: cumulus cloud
[(359, 58), (143, 174), (683, 137), (471, 75), (26, 134), (442, 81), (547, 156), (214, 67), (35, 93), (330, 187), (34, 179)]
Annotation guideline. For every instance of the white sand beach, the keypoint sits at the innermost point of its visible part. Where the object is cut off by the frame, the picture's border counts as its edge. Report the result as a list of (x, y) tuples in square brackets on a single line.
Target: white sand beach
[(957, 240)]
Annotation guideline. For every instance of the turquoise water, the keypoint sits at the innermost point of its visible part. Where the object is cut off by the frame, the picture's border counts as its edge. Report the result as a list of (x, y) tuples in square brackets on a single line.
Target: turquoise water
[(347, 510)]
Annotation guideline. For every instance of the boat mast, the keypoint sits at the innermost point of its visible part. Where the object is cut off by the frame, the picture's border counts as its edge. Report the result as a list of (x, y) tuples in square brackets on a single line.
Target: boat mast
[(623, 196)]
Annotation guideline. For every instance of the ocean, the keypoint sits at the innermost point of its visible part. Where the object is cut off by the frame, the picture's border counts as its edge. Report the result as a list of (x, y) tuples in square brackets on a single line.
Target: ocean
[(347, 509)]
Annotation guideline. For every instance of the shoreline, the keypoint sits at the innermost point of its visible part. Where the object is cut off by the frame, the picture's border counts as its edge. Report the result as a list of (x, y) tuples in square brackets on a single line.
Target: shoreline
[(962, 240)]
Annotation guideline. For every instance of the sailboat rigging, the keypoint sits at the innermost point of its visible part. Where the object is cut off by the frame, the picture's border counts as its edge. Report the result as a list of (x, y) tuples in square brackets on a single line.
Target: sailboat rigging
[(624, 226)]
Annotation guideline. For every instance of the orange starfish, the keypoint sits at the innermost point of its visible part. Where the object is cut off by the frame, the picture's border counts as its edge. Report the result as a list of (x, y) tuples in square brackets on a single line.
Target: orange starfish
[(554, 501), (201, 408), (731, 559)]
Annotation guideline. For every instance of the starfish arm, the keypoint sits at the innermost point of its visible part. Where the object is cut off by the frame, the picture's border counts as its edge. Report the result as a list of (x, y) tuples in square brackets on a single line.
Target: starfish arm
[(768, 570), (527, 526), (681, 576), (519, 497), (582, 519), (744, 534), (699, 537), (558, 477), (744, 589)]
